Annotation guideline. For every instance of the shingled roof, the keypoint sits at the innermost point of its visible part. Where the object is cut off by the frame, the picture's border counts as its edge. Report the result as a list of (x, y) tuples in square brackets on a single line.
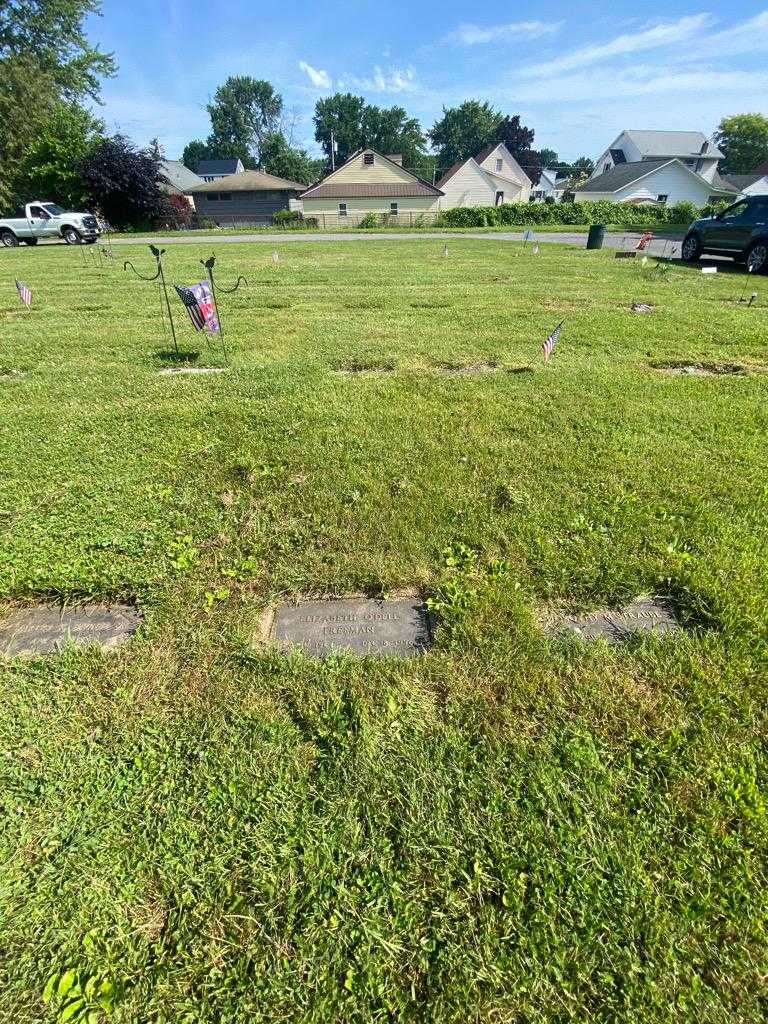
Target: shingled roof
[(248, 181), (334, 188)]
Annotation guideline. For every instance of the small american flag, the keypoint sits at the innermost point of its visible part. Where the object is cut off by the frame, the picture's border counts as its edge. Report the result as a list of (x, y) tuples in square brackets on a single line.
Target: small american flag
[(189, 299), (24, 294), (548, 347), (646, 237)]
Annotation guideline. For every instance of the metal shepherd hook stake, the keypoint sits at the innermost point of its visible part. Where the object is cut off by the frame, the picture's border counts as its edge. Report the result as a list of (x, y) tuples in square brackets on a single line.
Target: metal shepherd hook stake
[(209, 264), (158, 254)]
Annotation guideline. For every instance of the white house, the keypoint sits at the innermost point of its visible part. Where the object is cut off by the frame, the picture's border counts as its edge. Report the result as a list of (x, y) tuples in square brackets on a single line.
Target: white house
[(754, 184), (552, 184), (488, 179), (653, 182), (658, 167)]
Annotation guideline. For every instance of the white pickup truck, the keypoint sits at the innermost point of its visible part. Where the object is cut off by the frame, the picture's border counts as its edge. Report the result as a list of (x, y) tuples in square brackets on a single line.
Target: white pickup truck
[(47, 220)]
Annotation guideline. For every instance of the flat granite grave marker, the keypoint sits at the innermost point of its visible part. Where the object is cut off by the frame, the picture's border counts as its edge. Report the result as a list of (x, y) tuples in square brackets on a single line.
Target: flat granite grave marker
[(643, 615), (399, 628), (48, 629)]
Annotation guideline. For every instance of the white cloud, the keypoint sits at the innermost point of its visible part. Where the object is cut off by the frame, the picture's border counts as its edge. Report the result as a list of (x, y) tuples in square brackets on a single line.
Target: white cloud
[(654, 37), (320, 79), (746, 37), (639, 80), (472, 35), (395, 80)]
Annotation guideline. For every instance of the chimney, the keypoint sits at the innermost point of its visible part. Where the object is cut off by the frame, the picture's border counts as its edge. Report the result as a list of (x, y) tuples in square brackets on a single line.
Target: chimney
[(396, 158)]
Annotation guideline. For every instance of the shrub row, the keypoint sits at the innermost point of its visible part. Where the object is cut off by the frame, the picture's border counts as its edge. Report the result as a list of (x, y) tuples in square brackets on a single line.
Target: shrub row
[(603, 212)]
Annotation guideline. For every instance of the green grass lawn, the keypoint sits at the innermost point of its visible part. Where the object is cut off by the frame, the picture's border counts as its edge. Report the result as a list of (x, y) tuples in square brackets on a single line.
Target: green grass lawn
[(515, 827)]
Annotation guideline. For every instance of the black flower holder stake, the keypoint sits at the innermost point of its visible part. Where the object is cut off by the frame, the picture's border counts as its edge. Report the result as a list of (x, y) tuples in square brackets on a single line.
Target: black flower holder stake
[(158, 254), (209, 264)]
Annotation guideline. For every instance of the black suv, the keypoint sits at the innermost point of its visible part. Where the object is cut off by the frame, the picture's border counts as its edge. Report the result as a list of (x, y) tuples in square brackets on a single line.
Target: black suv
[(740, 231)]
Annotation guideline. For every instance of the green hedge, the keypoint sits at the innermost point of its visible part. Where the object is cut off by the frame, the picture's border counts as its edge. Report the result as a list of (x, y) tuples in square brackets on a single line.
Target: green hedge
[(603, 212)]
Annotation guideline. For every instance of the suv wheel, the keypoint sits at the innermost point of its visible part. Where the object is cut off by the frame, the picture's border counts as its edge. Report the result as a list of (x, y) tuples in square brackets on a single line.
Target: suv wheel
[(71, 236), (757, 257), (8, 238), (691, 249)]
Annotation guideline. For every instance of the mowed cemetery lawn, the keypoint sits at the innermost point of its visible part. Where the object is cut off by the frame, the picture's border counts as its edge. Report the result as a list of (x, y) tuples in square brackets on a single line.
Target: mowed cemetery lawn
[(517, 826)]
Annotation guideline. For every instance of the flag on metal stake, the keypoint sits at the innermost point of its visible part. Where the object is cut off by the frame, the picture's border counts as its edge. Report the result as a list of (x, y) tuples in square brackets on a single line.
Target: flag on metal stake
[(24, 294), (445, 249), (275, 256), (548, 347), (535, 249), (198, 301), (645, 239)]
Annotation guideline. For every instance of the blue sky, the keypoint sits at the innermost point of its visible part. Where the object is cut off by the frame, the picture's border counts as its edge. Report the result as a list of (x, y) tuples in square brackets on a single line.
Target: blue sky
[(577, 72)]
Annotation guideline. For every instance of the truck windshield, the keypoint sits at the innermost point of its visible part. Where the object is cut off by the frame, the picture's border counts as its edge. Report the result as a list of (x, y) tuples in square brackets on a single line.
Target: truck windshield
[(53, 209)]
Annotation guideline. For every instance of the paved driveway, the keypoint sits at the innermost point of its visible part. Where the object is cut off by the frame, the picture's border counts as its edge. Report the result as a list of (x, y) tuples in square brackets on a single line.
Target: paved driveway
[(612, 240)]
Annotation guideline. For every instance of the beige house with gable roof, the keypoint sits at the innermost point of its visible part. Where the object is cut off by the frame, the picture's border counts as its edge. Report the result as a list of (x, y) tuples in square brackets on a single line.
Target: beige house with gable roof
[(491, 178), (370, 182)]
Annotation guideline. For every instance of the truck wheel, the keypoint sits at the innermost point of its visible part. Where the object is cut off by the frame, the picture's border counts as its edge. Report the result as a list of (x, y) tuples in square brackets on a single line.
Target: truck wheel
[(691, 249), (30, 241), (8, 238), (757, 257), (71, 236)]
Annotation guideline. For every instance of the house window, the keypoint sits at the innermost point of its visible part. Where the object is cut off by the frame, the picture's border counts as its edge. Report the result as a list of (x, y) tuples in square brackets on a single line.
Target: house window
[(662, 199), (212, 197), (499, 165), (606, 166), (619, 156), (225, 196), (342, 209), (368, 159), (393, 209), (499, 198)]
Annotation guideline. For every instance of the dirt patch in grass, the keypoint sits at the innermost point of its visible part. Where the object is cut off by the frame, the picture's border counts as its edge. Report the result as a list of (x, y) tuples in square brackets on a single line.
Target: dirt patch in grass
[(642, 307), (175, 371), (467, 369), (364, 304), (683, 368), (9, 374), (352, 367), (431, 304)]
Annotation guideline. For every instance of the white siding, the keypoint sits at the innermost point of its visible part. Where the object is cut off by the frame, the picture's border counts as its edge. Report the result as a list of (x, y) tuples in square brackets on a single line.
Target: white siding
[(510, 169), (673, 181), (470, 187)]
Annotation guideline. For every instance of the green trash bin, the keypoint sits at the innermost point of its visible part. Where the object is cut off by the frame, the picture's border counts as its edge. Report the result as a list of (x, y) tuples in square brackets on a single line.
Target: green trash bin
[(596, 236)]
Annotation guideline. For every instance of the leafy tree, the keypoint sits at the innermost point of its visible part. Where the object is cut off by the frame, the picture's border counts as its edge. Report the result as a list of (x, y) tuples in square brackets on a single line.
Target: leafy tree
[(45, 58), (286, 161), (51, 33), (243, 112), (464, 130), (342, 115), (49, 167), (743, 138), (122, 182), (519, 140), (548, 158), (583, 166), (390, 130)]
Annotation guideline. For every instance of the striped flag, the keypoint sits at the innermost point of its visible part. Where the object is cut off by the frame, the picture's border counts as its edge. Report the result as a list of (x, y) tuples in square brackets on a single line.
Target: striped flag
[(24, 294), (189, 299), (647, 237), (198, 301), (548, 347)]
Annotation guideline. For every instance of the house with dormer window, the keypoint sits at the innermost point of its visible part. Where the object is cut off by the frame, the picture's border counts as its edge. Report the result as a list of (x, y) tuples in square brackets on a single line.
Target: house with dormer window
[(658, 167)]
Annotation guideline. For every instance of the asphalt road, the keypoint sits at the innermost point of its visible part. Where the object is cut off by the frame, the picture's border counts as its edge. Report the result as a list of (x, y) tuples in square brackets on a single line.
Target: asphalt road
[(612, 240)]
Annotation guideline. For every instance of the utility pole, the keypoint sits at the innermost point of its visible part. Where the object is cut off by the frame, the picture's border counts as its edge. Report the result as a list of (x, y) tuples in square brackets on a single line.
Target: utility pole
[(333, 153)]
